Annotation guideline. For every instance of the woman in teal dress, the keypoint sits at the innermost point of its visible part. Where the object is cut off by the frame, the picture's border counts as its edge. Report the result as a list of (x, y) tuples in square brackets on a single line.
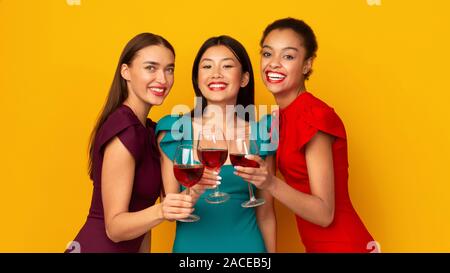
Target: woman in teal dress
[(222, 76)]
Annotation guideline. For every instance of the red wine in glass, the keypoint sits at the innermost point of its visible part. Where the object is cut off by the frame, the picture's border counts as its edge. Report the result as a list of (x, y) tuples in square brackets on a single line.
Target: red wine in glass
[(188, 175), (212, 158), (240, 160), (212, 151), (239, 148), (187, 171)]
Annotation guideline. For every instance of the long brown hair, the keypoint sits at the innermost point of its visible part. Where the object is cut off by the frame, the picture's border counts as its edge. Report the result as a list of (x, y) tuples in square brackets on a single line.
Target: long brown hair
[(119, 91)]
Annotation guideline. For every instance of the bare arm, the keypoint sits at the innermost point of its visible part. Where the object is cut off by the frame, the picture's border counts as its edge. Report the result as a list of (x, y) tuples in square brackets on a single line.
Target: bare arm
[(317, 207), (117, 183), (265, 214)]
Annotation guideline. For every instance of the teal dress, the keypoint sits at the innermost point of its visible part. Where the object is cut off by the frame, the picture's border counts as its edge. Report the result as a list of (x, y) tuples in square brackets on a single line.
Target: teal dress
[(225, 227)]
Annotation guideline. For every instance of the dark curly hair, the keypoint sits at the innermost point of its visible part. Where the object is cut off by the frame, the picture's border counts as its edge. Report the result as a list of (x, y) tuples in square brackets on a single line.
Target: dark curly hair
[(299, 27)]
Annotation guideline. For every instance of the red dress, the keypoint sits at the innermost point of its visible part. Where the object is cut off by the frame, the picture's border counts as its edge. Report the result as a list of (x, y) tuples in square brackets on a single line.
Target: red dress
[(299, 122)]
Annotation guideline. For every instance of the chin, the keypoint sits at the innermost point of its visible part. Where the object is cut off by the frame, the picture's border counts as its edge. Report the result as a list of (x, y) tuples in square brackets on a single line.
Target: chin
[(274, 90), (215, 98), (155, 101)]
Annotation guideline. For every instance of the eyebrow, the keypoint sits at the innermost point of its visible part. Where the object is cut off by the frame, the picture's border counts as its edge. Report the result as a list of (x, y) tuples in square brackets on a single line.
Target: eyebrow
[(153, 63), (157, 64), (286, 48), (224, 59)]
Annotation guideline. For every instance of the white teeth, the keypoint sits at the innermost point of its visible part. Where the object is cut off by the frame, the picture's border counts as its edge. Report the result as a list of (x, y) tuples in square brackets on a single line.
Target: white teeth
[(275, 76), (156, 89), (217, 86)]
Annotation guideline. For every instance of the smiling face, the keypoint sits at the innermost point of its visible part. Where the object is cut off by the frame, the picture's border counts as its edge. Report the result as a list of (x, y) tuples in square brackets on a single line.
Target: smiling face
[(220, 75), (150, 75), (283, 64)]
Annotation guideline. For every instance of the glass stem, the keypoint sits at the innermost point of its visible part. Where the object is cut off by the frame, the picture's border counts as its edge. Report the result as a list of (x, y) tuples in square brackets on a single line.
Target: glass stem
[(216, 190), (250, 190)]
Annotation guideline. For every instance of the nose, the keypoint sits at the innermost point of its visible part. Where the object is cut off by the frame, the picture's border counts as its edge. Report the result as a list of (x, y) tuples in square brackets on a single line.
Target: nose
[(274, 62), (161, 77), (216, 73)]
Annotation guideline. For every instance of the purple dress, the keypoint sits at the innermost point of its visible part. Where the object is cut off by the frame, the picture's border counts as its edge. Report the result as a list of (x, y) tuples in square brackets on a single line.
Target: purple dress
[(141, 143)]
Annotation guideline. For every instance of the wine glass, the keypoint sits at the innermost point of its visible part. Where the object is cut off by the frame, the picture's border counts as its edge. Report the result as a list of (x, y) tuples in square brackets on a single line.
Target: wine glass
[(188, 172), (212, 151), (239, 148)]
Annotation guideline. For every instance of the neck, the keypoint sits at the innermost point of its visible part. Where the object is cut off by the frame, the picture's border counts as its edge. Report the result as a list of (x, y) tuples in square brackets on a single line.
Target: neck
[(219, 110), (140, 109), (284, 99), (219, 114)]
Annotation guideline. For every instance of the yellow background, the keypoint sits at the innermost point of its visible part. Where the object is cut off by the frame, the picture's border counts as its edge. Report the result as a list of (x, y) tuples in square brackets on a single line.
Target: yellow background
[(383, 68)]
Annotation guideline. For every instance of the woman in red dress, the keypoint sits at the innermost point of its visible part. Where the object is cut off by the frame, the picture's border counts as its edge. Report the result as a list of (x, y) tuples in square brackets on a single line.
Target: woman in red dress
[(312, 151)]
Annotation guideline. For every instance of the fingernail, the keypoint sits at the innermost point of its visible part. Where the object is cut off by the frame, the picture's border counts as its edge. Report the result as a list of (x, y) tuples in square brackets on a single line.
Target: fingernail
[(216, 173), (218, 183), (219, 177), (248, 156)]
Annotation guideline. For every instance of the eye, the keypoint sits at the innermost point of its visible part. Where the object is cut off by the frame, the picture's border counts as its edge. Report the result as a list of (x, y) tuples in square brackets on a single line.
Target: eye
[(170, 70), (206, 66), (226, 66), (288, 57), (266, 54), (151, 68)]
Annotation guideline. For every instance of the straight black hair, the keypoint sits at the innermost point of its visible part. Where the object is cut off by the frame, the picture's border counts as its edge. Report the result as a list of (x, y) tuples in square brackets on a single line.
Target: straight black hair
[(246, 95)]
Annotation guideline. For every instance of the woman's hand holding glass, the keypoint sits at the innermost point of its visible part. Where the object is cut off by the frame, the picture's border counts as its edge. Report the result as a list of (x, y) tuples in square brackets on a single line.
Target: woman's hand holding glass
[(261, 177), (240, 150), (210, 180), (176, 206)]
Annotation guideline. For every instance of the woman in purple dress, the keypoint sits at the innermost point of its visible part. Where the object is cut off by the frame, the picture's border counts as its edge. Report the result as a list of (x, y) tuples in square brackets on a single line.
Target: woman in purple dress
[(124, 162)]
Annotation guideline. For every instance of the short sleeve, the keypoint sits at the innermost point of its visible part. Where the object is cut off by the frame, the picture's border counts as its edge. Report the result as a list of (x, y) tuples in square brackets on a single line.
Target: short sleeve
[(177, 129), (132, 138), (127, 128), (317, 119), (267, 135)]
